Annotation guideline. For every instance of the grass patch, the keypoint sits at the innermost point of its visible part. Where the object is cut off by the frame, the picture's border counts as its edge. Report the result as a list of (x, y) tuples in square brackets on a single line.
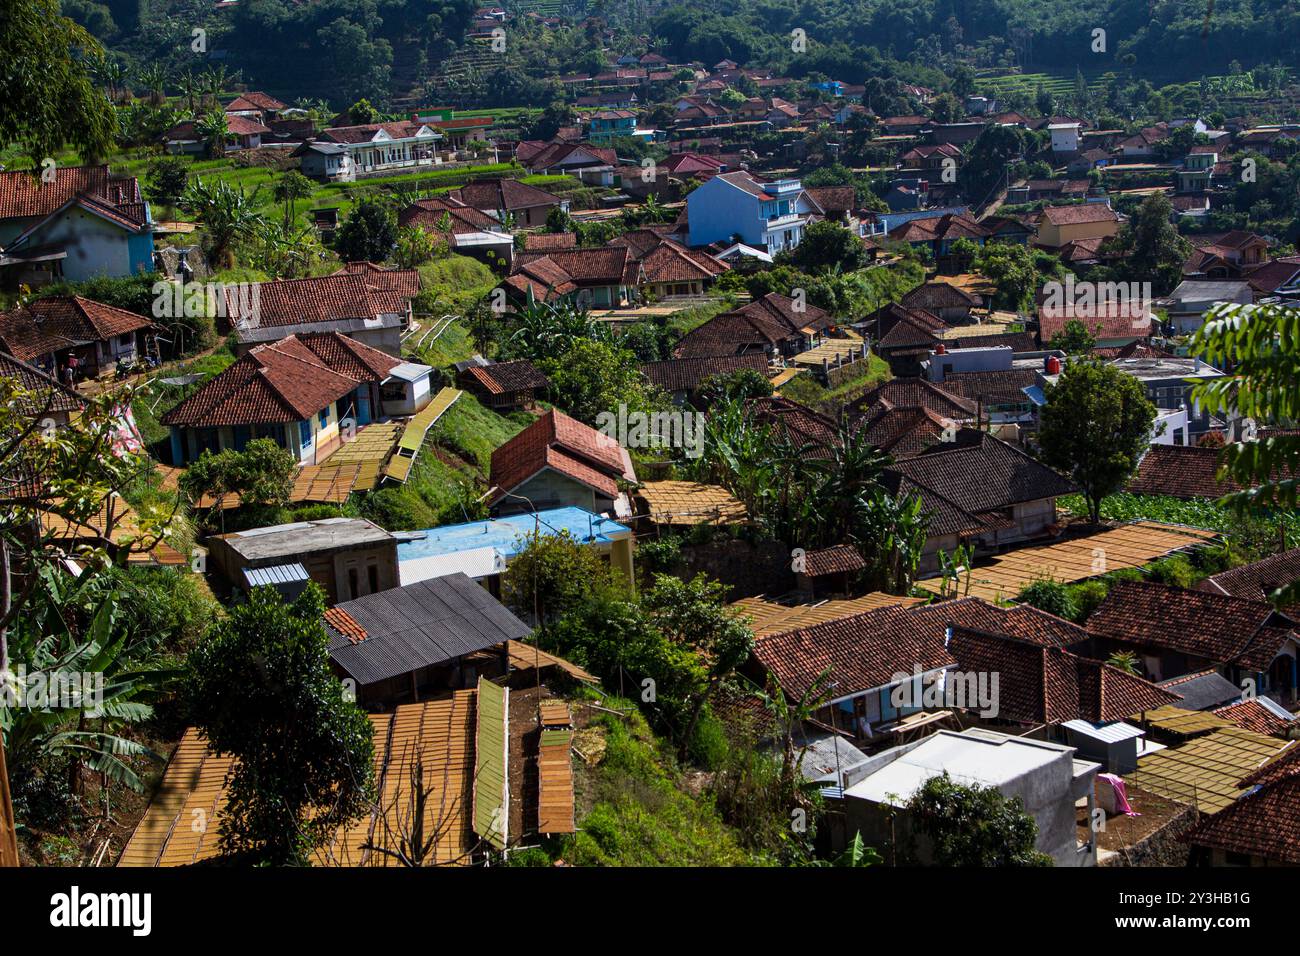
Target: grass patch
[(641, 815)]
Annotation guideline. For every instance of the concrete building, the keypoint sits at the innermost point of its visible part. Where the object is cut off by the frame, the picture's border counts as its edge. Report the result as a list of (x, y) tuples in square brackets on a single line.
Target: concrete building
[(1047, 777), (766, 215), (348, 557)]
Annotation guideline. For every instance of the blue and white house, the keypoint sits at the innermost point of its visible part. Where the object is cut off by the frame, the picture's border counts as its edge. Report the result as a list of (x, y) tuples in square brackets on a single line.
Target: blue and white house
[(764, 215)]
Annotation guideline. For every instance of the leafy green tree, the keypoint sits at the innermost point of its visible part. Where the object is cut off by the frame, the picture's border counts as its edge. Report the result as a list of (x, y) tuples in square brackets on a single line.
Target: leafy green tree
[(227, 213), (1015, 271), (828, 246), (1095, 427), (289, 188), (990, 156), (1152, 249), (214, 129), (415, 247), (1073, 339), (261, 474), (734, 386), (595, 377), (974, 825), (1050, 595), (551, 575), (48, 97), (1264, 390), (261, 689), (167, 180), (368, 234)]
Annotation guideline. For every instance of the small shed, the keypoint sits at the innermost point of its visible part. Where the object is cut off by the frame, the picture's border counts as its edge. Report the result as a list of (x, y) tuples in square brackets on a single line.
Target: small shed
[(1115, 745)]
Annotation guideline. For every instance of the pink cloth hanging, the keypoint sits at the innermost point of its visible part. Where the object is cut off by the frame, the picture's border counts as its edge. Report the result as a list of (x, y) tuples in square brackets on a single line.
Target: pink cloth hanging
[(1121, 796)]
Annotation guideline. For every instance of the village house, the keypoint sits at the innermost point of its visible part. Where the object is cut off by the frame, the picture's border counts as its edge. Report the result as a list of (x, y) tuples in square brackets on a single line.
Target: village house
[(464, 229), (773, 325), (509, 200), (347, 557), (1059, 225), (681, 378), (82, 224), (415, 641), (1187, 305), (256, 106), (1258, 828), (367, 303), (770, 216), (669, 268), (978, 490), (557, 462), (592, 165), (59, 332), (371, 148), (1228, 256), (504, 386), (1177, 631), (609, 277), (39, 397), (304, 392)]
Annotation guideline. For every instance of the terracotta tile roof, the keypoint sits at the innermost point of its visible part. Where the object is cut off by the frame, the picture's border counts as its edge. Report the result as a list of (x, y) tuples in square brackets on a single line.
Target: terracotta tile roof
[(1039, 684), (865, 650), (1285, 764), (1016, 341), (1114, 322), (938, 295), (43, 394), (797, 423), (902, 431), (672, 262), (906, 333), (255, 100), (508, 194), (1264, 823), (501, 377), (548, 241), (45, 325), (1256, 581), (332, 298), (347, 356), (982, 474), (834, 199), (915, 393), (282, 381), (1213, 627), (23, 195), (1252, 715), (676, 375), (1003, 386), (590, 267), (948, 226), (364, 133), (345, 624), (567, 445), (243, 126), (431, 214), (1181, 471), (839, 559), (1080, 213), (405, 282)]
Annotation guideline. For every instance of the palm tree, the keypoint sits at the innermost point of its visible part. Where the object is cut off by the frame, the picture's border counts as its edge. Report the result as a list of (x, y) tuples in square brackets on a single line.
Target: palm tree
[(113, 74), (215, 131), (291, 187), (1125, 661), (154, 78), (228, 214), (190, 86), (213, 82)]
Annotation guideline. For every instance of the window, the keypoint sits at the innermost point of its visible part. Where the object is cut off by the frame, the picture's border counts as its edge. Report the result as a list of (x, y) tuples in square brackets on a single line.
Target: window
[(352, 583), (373, 572), (304, 434), (324, 417)]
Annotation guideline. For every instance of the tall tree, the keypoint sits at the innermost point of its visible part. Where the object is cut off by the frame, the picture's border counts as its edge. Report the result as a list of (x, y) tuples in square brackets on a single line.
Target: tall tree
[(974, 826), (261, 690), (368, 234), (48, 96), (1095, 427), (1153, 250)]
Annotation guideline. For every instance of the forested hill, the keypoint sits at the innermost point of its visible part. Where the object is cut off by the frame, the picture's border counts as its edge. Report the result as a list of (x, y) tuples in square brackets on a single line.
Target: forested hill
[(340, 50)]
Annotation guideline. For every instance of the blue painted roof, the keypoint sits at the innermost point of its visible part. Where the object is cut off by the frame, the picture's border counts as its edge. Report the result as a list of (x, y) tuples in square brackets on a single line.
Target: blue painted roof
[(507, 534)]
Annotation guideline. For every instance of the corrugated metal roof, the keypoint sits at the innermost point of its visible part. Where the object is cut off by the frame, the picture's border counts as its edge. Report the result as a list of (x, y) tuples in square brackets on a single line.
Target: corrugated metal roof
[(276, 574), (418, 625), (491, 758), (1107, 733)]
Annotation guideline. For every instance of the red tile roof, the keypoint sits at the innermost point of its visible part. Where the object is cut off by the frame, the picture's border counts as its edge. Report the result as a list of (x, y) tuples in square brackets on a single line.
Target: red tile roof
[(508, 194), (42, 393), (432, 214), (676, 375), (1257, 581), (1112, 322), (568, 446), (1265, 823), (1180, 471), (1212, 627), (23, 195), (549, 241), (840, 559), (1080, 213), (255, 100), (344, 295), (1039, 684), (281, 382), (502, 377), (1252, 715), (47, 325)]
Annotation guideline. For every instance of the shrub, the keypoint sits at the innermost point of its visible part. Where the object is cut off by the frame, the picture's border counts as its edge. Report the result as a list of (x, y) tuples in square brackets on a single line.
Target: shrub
[(1050, 595)]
